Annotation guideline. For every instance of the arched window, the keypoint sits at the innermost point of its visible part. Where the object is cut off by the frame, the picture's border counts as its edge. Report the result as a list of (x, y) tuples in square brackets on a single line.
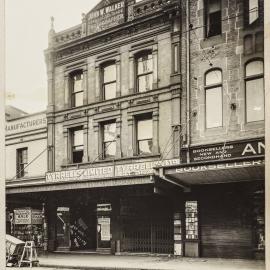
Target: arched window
[(76, 83), (144, 70), (213, 99), (109, 81), (254, 91)]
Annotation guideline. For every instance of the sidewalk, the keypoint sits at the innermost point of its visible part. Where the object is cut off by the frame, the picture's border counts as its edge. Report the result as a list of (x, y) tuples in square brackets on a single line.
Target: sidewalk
[(104, 262)]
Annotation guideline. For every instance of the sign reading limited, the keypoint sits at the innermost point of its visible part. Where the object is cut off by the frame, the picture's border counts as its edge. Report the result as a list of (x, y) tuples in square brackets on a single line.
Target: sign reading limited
[(228, 151), (139, 168)]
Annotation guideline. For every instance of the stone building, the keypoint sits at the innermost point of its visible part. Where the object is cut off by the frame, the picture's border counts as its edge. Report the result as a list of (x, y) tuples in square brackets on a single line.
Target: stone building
[(155, 132)]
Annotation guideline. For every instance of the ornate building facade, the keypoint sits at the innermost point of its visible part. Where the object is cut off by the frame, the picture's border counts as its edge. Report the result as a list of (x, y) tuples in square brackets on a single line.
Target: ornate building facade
[(156, 130)]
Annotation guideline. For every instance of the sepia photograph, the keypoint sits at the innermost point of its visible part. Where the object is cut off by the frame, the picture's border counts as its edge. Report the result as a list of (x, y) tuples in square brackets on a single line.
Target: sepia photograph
[(135, 134)]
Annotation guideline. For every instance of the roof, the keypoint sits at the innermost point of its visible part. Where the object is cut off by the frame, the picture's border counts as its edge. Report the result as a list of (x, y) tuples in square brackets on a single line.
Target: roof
[(13, 112)]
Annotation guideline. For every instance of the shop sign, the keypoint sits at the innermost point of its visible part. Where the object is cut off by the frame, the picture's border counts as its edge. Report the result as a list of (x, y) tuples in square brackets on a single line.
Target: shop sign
[(228, 151), (81, 174), (104, 207), (231, 165), (26, 124), (140, 168), (37, 217), (105, 230), (22, 216), (110, 13), (143, 168)]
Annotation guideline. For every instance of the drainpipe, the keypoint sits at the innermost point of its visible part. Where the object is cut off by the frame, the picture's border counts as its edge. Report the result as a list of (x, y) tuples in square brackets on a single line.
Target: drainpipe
[(188, 79)]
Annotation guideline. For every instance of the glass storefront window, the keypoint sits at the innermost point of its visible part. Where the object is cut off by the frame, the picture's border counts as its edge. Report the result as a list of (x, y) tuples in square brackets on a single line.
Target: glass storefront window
[(191, 210)]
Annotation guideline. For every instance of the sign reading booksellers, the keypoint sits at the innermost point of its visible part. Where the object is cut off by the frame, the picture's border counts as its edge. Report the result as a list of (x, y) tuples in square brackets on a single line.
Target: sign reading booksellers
[(140, 168), (108, 15), (228, 151)]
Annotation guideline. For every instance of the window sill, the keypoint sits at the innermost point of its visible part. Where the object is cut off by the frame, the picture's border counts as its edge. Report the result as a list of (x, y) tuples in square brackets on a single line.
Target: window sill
[(214, 40)]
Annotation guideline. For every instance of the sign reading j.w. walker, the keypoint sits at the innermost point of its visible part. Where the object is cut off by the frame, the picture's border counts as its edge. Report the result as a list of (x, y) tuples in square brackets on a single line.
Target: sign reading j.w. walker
[(108, 15), (228, 151)]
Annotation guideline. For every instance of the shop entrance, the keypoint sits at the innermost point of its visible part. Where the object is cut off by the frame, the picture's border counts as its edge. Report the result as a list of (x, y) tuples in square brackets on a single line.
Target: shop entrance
[(147, 226), (63, 228)]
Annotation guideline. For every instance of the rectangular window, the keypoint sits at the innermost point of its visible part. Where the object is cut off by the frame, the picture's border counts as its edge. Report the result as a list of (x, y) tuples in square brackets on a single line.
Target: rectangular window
[(253, 9), (77, 145), (213, 105), (255, 100), (144, 136), (22, 160), (213, 18), (109, 82), (191, 210), (109, 140), (145, 73), (77, 90)]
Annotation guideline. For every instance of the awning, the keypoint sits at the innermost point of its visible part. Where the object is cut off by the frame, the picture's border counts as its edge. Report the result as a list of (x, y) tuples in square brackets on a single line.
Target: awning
[(216, 172)]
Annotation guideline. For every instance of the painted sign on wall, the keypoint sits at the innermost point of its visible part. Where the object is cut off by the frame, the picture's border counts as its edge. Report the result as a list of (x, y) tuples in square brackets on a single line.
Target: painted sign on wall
[(109, 14), (228, 151)]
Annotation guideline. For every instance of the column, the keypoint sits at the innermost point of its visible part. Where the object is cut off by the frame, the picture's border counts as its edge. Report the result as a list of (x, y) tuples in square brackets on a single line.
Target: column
[(50, 142), (85, 144), (66, 154), (118, 138), (98, 92), (98, 149), (155, 132), (131, 140), (118, 78), (155, 67), (85, 86), (50, 79), (51, 218), (45, 228), (67, 92), (131, 74)]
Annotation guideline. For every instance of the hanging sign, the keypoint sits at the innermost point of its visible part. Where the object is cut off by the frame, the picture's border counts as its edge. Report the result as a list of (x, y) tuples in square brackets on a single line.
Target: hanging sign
[(37, 217), (22, 216)]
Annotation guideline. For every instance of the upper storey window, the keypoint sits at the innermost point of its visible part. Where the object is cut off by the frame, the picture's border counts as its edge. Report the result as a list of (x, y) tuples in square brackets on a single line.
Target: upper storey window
[(254, 91), (77, 89), (253, 9), (144, 135), (77, 145), (144, 67), (109, 81), (213, 17), (109, 140), (213, 98), (22, 157)]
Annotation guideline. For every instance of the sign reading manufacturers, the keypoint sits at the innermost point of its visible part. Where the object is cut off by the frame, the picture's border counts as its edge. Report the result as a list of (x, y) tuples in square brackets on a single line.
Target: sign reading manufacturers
[(111, 14), (209, 167), (26, 124), (140, 168), (228, 151)]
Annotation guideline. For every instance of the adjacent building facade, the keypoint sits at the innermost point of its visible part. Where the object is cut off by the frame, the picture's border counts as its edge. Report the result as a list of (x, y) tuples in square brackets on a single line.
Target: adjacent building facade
[(155, 127)]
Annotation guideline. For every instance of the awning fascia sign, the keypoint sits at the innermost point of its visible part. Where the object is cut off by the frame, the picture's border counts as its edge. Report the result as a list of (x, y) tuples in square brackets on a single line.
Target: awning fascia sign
[(214, 166)]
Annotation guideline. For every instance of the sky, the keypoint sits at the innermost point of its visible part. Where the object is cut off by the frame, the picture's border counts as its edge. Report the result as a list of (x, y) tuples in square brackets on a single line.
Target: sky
[(27, 26)]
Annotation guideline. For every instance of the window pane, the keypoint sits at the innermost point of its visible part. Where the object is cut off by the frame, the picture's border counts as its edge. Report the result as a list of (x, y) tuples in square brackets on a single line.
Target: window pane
[(109, 73), (78, 99), (109, 132), (255, 100), (145, 64), (145, 129), (213, 77), (145, 147), (213, 105), (77, 83), (145, 83), (77, 156), (214, 6), (110, 149), (78, 137), (253, 10), (254, 68), (109, 91)]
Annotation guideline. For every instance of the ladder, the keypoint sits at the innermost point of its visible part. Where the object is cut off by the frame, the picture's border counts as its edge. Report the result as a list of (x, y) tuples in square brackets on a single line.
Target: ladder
[(29, 255)]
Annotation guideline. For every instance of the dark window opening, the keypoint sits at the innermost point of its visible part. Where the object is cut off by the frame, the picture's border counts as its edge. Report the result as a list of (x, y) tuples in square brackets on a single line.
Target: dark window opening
[(22, 160), (213, 18)]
